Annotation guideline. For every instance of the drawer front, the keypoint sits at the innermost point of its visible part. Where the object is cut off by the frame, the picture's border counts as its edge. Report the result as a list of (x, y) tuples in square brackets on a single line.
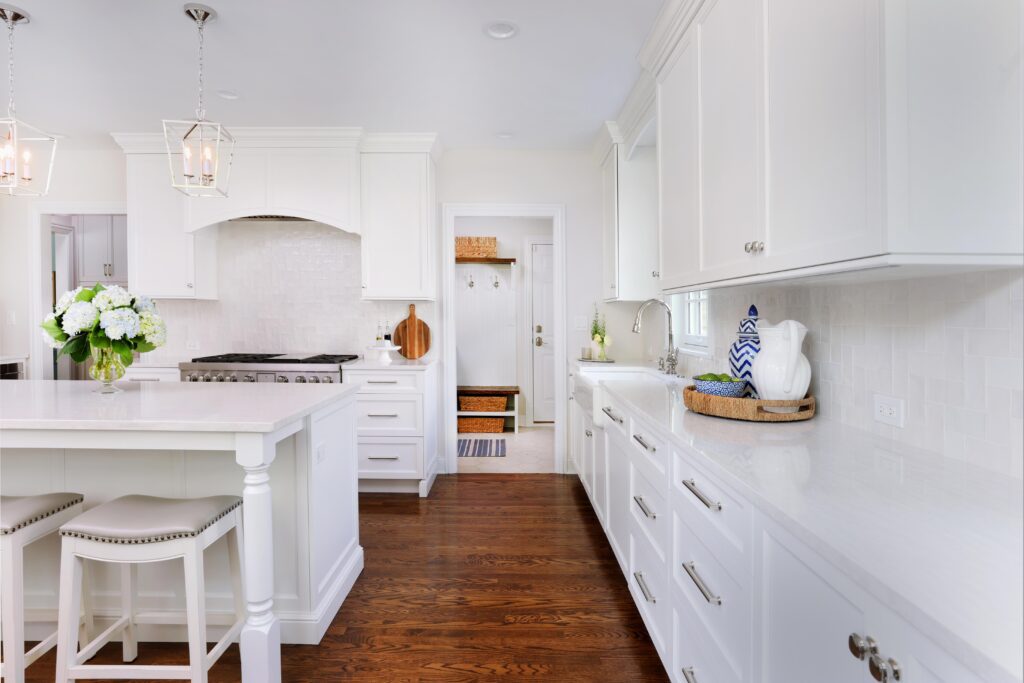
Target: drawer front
[(389, 415), (719, 602), (720, 519), (609, 415), (652, 450), (694, 658), (152, 374), (390, 458), (649, 511), (384, 381), (648, 582)]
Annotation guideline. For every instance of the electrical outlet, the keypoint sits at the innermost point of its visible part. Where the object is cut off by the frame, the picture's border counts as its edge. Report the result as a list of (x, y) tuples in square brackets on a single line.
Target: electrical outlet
[(889, 410), (192, 345)]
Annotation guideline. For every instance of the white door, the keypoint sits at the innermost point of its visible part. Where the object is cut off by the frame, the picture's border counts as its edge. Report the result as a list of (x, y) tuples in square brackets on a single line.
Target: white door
[(118, 270), (542, 267)]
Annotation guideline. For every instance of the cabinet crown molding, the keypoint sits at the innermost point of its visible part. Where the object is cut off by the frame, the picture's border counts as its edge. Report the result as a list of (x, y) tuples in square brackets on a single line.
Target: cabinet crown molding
[(638, 111), (607, 136), (255, 138), (398, 143), (673, 20)]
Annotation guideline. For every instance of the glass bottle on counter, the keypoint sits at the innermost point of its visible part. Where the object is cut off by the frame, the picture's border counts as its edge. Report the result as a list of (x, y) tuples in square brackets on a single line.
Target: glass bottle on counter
[(380, 334), (387, 331)]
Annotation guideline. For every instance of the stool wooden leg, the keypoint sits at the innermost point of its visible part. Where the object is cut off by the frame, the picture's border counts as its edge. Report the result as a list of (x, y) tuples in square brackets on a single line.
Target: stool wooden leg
[(68, 613), (87, 630), (235, 554), (195, 608), (13, 610), (129, 643)]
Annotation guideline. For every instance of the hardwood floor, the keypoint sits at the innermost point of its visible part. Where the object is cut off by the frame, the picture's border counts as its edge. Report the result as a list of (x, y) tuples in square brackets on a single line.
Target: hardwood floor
[(492, 577)]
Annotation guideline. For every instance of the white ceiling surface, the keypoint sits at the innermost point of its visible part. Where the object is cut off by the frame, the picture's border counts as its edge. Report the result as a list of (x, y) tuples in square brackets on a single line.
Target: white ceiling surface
[(85, 69)]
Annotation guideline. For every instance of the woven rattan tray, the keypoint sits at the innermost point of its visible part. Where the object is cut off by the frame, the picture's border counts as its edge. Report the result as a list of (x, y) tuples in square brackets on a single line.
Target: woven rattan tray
[(750, 409)]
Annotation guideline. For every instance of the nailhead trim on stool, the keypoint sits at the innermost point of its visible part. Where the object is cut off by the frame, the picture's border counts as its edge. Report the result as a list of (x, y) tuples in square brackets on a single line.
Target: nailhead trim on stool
[(49, 513), (153, 539)]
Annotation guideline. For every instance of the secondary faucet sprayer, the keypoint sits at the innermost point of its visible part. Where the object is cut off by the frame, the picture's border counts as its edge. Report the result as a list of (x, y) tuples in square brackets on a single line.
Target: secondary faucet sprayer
[(669, 362)]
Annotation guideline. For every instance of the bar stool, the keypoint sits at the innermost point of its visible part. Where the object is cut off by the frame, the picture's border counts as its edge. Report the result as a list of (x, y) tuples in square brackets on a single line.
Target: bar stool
[(24, 519), (135, 529)]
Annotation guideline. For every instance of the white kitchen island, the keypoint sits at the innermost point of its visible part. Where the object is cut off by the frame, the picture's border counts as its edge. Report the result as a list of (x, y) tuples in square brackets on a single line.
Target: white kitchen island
[(302, 551)]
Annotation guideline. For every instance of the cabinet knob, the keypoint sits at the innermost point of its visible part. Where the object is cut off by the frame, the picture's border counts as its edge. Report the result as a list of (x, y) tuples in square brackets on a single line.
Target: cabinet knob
[(748, 247), (758, 247), (189, 285), (862, 646), (884, 670)]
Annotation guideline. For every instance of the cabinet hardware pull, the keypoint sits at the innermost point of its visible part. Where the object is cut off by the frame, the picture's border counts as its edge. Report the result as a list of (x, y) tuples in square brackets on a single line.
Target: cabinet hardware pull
[(382, 415), (688, 675), (143, 379), (655, 273), (701, 586), (748, 247), (692, 488), (382, 381), (861, 646), (608, 411), (881, 669), (189, 285), (643, 507), (382, 457), (588, 433), (648, 595), (640, 440)]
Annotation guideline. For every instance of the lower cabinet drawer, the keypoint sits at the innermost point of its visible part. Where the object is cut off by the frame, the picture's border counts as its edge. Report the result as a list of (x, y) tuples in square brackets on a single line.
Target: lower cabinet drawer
[(648, 582), (390, 458), (694, 658), (375, 381), (713, 598), (649, 511), (389, 415)]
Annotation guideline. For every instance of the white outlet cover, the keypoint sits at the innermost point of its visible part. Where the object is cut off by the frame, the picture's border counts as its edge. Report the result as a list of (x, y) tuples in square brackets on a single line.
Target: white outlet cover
[(889, 410)]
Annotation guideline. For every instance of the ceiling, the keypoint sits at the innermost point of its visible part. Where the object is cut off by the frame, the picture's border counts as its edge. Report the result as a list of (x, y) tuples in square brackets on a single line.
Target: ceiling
[(85, 69)]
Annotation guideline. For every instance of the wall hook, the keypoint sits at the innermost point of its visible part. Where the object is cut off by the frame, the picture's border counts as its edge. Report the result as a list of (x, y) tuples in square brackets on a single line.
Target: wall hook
[(471, 283), (496, 282)]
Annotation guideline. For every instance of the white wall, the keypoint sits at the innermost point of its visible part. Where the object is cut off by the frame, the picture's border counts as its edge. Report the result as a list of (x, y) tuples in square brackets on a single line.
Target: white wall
[(951, 346), (283, 286), (96, 176), (549, 177)]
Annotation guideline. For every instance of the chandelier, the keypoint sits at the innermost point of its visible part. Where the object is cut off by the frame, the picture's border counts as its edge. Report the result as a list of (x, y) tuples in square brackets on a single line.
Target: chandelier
[(26, 153), (199, 151)]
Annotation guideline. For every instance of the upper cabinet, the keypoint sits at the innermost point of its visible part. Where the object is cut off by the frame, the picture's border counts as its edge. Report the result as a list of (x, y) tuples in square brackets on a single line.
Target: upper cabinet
[(101, 244), (399, 222), (835, 136), (629, 179)]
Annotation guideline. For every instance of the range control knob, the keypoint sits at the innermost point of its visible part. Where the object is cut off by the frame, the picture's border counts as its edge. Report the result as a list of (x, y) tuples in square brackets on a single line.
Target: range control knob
[(233, 378), (248, 378), (205, 378), (327, 380), (314, 380), (193, 378), (218, 378), (281, 379), (300, 379)]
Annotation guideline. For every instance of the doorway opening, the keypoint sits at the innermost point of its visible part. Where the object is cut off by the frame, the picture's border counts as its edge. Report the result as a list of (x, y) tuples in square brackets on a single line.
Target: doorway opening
[(503, 335)]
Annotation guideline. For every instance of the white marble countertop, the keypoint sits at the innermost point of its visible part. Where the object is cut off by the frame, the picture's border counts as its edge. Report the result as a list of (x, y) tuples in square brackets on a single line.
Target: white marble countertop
[(161, 406), (398, 363), (938, 540)]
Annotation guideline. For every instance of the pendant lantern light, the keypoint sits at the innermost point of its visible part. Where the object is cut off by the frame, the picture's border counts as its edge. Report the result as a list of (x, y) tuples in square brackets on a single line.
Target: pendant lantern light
[(199, 151), (26, 153)]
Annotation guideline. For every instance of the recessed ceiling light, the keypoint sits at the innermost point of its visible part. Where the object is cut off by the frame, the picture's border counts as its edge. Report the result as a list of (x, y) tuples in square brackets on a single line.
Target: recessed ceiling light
[(501, 30), (504, 135), (227, 94)]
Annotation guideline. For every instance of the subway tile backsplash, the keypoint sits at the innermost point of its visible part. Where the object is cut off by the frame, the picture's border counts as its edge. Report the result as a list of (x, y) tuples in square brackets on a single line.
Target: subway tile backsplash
[(283, 286), (951, 346)]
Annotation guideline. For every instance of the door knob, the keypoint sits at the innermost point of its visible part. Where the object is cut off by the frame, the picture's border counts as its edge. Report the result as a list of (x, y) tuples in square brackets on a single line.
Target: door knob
[(539, 342)]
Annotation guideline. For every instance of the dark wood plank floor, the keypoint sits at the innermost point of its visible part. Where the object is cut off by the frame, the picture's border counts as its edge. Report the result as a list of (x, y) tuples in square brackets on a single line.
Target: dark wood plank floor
[(492, 577)]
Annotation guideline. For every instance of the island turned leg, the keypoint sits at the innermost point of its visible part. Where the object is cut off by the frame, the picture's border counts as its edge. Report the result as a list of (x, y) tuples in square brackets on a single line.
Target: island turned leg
[(260, 641)]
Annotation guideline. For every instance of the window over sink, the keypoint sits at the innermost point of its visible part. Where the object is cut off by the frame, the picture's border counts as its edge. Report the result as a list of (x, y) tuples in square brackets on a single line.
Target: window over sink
[(690, 316)]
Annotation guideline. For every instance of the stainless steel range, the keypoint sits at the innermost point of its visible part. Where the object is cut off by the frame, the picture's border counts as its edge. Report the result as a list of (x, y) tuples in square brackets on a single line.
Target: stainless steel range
[(300, 368)]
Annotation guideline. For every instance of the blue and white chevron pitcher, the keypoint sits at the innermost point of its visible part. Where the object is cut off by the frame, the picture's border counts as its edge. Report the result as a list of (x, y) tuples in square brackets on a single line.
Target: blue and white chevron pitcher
[(745, 349)]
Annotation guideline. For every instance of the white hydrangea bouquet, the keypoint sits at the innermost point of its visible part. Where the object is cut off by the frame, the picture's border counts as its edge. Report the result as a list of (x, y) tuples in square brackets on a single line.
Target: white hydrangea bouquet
[(108, 323)]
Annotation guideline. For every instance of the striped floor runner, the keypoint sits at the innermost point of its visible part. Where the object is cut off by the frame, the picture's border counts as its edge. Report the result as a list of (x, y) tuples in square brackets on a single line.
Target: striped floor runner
[(481, 448)]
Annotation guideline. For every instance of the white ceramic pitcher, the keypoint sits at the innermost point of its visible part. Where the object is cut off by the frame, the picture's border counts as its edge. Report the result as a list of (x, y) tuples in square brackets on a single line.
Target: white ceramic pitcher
[(781, 372)]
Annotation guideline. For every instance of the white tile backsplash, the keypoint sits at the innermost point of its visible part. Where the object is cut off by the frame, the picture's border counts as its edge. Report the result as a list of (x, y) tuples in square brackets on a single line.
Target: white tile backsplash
[(283, 286), (952, 346)]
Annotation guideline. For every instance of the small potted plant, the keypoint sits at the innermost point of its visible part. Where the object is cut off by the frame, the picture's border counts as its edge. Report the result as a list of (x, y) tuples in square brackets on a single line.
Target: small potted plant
[(599, 339), (110, 324)]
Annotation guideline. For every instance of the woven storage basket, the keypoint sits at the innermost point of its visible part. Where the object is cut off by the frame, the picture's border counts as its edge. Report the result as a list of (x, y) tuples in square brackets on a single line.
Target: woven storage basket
[(481, 425), (483, 404), (750, 409), (476, 247)]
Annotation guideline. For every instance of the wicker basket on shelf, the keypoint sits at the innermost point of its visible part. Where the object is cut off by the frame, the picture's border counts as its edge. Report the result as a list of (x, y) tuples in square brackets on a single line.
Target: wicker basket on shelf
[(481, 425), (476, 247), (483, 404)]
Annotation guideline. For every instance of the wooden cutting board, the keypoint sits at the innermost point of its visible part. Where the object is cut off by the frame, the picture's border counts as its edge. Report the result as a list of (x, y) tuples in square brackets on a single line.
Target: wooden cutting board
[(413, 335)]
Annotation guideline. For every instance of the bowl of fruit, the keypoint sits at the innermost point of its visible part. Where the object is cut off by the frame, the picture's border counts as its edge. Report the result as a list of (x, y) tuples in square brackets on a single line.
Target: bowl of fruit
[(720, 385)]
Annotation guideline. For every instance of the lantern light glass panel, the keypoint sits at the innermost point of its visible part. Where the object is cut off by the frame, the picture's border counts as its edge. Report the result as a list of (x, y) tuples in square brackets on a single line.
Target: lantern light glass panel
[(200, 155), (26, 159)]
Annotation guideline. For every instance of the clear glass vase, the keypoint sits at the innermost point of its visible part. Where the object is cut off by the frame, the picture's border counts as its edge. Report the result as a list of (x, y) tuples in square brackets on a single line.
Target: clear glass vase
[(107, 368)]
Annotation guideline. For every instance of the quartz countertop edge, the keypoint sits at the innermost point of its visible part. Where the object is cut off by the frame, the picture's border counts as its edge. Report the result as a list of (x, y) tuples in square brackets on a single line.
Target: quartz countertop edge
[(846, 507), (397, 363), (161, 406)]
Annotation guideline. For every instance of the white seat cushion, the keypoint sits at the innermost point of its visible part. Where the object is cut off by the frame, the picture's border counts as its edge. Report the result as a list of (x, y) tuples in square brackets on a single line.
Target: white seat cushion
[(17, 512), (148, 519)]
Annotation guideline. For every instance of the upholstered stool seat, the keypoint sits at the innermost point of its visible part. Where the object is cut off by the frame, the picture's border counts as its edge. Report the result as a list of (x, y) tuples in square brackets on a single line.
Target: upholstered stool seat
[(136, 529), (24, 519), (147, 519)]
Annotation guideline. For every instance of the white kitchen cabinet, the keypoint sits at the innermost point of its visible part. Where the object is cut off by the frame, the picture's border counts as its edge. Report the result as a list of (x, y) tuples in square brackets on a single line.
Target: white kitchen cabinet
[(617, 518), (399, 226), (629, 183), (837, 136), (165, 261), (101, 246)]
